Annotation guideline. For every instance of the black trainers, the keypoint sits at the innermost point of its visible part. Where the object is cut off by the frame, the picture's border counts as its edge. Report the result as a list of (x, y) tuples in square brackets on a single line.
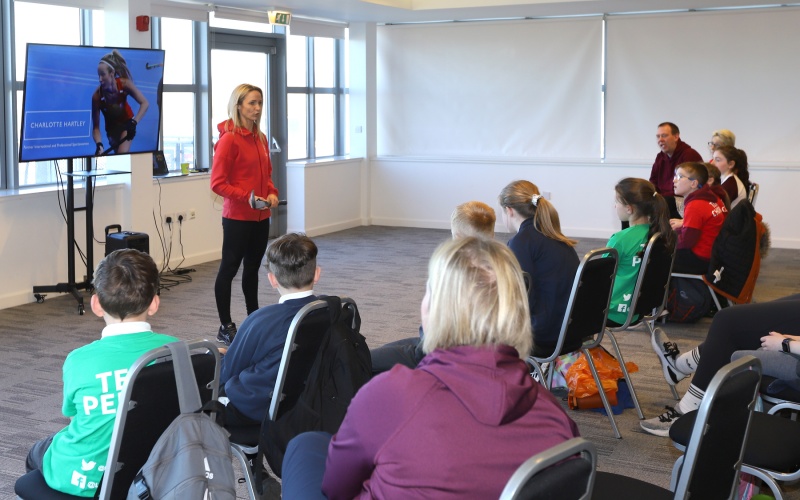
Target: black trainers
[(226, 334), (667, 353)]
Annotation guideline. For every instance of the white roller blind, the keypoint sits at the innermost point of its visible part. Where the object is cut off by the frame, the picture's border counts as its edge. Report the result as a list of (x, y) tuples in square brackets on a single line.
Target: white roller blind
[(705, 71), (511, 89), (179, 10), (313, 27), (80, 4)]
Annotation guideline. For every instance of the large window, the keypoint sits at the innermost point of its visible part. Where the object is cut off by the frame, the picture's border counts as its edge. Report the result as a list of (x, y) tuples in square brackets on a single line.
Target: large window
[(34, 24), (316, 97), (179, 112)]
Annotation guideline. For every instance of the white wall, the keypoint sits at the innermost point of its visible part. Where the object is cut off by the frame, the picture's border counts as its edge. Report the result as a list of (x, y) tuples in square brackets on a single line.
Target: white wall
[(417, 192), (34, 235), (722, 70), (325, 196)]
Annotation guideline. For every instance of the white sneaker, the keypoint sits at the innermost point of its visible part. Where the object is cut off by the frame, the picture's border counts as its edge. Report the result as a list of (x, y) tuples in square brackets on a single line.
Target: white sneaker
[(660, 425), (667, 353)]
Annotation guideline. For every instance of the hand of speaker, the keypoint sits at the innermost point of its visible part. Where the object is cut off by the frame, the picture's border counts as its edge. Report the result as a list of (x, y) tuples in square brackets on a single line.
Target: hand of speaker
[(99, 150), (130, 127)]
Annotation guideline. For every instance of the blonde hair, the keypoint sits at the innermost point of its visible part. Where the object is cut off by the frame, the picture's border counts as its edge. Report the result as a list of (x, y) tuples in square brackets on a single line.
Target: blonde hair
[(524, 198), (117, 63), (727, 138), (236, 99), (477, 297), (473, 218)]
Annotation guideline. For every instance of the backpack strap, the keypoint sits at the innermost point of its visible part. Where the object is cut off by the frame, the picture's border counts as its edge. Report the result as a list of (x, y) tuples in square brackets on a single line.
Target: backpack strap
[(188, 395), (334, 307)]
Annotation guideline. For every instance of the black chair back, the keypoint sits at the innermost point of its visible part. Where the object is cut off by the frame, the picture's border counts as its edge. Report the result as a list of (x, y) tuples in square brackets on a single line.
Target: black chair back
[(715, 449), (305, 334), (652, 285), (151, 400), (552, 474), (587, 309)]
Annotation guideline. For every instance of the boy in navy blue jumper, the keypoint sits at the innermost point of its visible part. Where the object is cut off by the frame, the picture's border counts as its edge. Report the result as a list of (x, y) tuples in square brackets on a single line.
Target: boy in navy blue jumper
[(250, 367)]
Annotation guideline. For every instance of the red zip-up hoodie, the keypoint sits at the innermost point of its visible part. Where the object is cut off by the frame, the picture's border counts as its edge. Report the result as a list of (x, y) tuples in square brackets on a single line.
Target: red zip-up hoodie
[(241, 164)]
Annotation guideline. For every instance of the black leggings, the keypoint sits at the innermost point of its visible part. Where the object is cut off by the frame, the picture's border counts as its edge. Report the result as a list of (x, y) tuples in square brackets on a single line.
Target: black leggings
[(242, 241), (739, 328)]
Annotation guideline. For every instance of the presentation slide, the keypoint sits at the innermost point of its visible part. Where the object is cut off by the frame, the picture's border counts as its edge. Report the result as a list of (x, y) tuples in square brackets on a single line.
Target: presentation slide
[(83, 101)]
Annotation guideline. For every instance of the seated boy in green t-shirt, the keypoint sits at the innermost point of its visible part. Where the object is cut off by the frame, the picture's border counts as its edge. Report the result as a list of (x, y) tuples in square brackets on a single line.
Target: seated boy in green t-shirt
[(126, 293)]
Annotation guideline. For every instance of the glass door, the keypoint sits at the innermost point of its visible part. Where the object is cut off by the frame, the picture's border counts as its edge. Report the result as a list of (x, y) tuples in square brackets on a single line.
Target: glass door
[(258, 59)]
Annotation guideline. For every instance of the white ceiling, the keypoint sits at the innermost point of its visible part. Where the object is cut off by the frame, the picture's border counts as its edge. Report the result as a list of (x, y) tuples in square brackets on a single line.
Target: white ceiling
[(399, 11)]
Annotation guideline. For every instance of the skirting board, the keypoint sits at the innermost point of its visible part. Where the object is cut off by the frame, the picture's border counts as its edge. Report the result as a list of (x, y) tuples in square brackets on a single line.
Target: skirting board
[(329, 228)]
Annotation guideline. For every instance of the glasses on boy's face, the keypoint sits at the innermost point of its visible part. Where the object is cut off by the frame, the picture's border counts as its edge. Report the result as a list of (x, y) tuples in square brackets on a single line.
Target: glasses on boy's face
[(679, 177)]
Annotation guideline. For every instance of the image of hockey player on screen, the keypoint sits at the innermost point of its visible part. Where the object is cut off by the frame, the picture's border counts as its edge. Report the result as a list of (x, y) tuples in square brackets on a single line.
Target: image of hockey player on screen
[(111, 98)]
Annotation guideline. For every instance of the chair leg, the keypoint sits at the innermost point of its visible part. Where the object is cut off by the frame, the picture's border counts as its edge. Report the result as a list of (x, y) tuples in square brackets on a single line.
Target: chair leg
[(768, 480), (626, 375), (248, 471), (676, 471), (714, 297), (538, 369), (602, 393)]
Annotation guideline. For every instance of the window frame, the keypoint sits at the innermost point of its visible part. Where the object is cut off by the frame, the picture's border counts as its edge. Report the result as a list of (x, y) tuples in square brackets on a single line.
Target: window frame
[(310, 91), (199, 88)]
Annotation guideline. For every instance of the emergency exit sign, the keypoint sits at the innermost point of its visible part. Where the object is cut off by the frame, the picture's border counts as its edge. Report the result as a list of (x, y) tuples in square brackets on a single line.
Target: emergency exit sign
[(280, 18)]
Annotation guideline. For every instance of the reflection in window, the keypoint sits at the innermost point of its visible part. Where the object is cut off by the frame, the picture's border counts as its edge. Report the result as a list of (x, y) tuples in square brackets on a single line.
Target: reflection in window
[(324, 125), (178, 129), (325, 120), (176, 40), (34, 24), (296, 61), (324, 62), (297, 111)]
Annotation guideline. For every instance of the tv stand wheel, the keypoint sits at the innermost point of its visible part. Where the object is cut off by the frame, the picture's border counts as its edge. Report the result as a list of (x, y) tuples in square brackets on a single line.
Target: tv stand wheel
[(81, 309), (39, 298)]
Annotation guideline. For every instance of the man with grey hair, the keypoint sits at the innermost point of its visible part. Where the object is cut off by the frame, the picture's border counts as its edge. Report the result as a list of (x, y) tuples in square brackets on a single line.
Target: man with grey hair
[(673, 152)]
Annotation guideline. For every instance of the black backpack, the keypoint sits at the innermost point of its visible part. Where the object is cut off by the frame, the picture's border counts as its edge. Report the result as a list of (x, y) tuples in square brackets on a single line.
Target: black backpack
[(688, 300), (342, 366)]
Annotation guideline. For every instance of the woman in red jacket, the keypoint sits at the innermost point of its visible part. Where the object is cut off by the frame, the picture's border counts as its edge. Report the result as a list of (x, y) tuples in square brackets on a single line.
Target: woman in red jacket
[(241, 167)]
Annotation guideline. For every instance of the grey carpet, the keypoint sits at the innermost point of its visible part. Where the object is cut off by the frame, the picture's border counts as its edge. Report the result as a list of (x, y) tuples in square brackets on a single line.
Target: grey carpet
[(384, 270)]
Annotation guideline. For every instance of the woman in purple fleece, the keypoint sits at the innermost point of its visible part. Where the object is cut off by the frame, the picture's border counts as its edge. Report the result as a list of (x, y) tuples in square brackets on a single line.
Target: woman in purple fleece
[(458, 425)]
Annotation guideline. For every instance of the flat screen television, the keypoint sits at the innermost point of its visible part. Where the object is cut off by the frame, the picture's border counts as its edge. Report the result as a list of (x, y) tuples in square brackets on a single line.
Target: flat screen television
[(82, 101)]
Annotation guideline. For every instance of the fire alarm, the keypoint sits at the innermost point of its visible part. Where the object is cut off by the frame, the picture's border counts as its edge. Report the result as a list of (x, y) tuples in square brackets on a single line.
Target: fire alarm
[(142, 23)]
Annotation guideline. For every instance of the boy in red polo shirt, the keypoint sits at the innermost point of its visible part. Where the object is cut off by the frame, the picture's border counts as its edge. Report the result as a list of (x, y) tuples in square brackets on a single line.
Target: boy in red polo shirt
[(703, 215)]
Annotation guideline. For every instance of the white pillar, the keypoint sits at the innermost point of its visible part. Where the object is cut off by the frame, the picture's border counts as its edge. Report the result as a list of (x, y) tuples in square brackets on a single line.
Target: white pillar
[(137, 203)]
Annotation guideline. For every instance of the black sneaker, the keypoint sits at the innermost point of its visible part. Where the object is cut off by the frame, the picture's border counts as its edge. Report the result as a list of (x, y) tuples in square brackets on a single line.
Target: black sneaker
[(226, 334)]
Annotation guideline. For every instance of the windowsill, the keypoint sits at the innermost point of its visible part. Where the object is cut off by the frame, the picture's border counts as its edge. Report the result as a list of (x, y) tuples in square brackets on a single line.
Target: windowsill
[(98, 181), (176, 174), (329, 160), (49, 188)]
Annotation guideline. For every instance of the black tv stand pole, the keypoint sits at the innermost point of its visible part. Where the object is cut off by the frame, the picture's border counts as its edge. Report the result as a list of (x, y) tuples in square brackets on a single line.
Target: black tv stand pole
[(72, 286)]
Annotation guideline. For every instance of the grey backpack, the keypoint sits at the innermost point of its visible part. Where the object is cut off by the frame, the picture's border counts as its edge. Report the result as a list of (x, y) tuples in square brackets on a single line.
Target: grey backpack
[(192, 458)]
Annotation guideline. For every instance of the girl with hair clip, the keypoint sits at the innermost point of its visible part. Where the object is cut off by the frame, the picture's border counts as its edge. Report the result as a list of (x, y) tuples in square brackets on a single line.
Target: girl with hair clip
[(111, 98), (470, 401), (545, 254), (638, 203), (732, 164)]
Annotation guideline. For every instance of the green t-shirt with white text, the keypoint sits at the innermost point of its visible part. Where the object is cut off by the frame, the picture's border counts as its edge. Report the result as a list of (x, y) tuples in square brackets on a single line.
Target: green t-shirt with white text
[(628, 243), (94, 377)]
